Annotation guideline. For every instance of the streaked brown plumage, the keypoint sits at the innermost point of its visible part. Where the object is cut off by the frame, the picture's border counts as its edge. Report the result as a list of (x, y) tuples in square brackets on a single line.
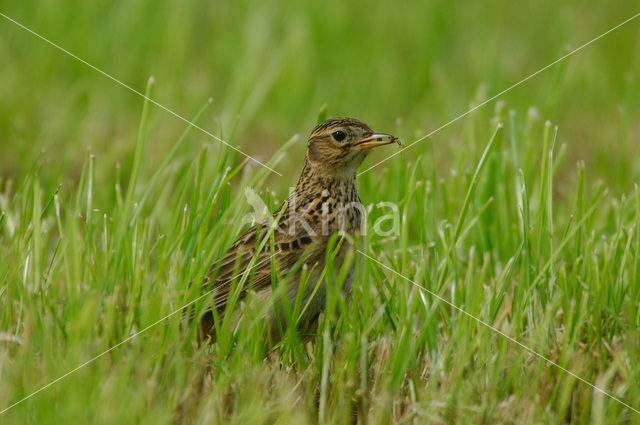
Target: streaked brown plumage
[(324, 202)]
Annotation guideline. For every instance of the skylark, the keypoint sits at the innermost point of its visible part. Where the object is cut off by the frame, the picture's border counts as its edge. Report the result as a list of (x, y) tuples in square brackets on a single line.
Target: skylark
[(325, 202)]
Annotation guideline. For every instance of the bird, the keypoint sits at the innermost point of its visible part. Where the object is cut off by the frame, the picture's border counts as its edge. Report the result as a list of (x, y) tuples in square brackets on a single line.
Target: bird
[(325, 201)]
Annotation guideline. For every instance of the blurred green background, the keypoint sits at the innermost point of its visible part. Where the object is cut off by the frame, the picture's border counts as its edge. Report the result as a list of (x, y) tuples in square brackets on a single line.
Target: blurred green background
[(270, 66), (85, 268)]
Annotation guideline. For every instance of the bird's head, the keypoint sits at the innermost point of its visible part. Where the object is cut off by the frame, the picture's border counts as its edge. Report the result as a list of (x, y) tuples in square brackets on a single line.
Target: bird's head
[(338, 145)]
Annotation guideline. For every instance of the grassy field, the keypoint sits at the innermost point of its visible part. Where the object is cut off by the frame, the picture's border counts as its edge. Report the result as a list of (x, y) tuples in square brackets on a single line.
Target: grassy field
[(525, 214)]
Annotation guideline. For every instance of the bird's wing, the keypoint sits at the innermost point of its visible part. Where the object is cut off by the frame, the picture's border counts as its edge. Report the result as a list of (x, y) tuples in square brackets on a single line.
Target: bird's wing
[(240, 259)]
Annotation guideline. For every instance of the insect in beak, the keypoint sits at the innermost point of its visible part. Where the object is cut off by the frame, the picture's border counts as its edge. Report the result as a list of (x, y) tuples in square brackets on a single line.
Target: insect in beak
[(377, 139)]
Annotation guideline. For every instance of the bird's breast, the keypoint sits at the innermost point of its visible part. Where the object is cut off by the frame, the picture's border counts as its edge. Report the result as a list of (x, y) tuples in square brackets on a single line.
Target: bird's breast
[(336, 207)]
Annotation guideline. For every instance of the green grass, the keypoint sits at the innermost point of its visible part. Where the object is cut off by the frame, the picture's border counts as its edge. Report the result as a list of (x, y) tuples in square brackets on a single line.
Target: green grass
[(525, 213)]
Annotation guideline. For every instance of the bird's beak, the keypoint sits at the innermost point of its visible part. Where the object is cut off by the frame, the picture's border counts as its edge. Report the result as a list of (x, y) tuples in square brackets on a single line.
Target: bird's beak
[(376, 139)]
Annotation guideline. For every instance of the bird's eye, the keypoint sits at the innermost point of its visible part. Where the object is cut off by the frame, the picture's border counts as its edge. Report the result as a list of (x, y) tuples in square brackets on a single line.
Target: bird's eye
[(339, 135)]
